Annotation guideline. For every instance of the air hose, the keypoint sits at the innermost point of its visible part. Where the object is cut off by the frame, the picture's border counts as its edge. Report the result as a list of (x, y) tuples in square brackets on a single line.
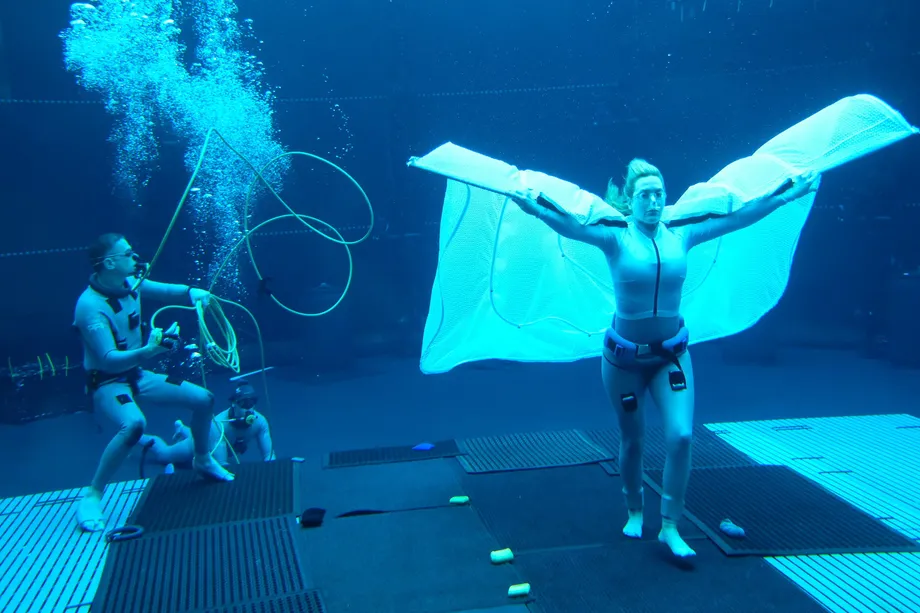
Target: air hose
[(225, 352)]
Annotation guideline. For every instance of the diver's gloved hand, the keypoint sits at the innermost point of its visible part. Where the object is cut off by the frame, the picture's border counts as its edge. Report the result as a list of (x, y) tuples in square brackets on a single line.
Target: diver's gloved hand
[(162, 342), (202, 296)]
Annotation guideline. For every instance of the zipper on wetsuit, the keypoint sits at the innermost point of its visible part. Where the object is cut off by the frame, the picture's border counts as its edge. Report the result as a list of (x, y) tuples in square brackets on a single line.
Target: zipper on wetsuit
[(657, 277)]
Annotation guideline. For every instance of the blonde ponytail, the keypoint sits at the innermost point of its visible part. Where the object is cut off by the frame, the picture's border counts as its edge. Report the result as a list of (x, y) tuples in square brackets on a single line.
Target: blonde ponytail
[(617, 199)]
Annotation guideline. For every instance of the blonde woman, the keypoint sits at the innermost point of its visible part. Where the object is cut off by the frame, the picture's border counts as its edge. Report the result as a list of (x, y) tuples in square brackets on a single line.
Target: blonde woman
[(645, 348)]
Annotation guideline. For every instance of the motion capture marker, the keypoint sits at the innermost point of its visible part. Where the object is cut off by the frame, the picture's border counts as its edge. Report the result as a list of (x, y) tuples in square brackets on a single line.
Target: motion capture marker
[(530, 450), (786, 514), (518, 590), (729, 528), (385, 455)]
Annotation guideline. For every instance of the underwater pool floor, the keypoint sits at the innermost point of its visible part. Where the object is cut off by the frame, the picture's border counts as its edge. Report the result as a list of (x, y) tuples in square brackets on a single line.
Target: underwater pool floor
[(398, 534)]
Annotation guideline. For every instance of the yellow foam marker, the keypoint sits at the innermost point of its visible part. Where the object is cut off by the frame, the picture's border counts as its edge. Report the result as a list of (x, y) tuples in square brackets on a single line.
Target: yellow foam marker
[(459, 499), (519, 589), (501, 556)]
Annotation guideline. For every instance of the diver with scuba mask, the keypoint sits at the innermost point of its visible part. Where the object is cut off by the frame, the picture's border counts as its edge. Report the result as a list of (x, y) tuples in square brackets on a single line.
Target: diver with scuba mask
[(233, 432), (108, 319)]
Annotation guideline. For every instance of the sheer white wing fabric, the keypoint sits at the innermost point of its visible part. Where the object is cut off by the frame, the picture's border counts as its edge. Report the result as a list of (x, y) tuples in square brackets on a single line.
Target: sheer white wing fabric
[(507, 287)]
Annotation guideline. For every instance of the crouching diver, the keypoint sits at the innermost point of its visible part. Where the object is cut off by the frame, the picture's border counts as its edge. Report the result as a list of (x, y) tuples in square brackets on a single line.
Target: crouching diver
[(108, 318), (645, 348), (233, 431)]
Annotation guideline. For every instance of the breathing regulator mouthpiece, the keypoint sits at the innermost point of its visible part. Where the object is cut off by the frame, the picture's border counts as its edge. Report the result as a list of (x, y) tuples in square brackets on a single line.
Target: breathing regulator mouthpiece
[(168, 340), (245, 399), (140, 268)]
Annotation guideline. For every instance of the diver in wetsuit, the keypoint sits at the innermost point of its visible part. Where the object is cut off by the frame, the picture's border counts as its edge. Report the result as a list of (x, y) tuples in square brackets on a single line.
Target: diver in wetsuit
[(645, 348), (108, 318), (233, 432)]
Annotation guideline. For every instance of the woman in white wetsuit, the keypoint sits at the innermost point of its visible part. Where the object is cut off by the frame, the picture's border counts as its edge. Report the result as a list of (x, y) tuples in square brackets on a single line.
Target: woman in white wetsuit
[(645, 349)]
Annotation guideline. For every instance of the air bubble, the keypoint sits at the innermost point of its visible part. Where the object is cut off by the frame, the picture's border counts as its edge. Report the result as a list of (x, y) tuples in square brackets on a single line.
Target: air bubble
[(149, 89), (81, 7)]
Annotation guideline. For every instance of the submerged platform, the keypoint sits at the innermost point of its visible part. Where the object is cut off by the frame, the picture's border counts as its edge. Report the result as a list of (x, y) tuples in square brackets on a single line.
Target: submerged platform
[(830, 509)]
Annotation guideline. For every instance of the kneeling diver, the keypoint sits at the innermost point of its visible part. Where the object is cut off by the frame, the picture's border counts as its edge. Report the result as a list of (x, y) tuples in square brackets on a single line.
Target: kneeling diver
[(233, 432)]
